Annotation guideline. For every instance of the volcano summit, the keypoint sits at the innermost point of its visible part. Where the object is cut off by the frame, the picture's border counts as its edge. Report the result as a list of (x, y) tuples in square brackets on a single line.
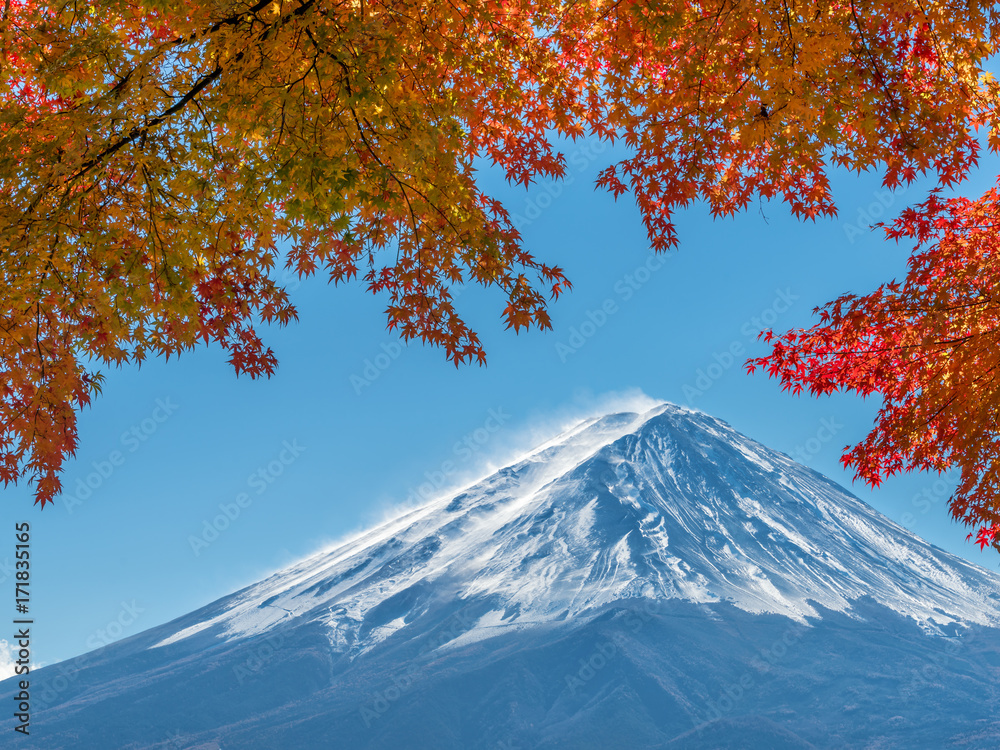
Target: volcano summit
[(651, 580)]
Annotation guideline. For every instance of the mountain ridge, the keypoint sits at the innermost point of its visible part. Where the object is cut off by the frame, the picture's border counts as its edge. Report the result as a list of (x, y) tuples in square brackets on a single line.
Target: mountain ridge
[(647, 580), (676, 505)]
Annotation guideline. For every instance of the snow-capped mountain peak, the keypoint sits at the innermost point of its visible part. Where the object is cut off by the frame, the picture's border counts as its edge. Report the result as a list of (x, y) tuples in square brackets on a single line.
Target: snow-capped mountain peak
[(666, 504)]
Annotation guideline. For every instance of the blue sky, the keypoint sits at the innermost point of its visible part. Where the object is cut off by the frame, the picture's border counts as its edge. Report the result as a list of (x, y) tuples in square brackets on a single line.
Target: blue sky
[(354, 424)]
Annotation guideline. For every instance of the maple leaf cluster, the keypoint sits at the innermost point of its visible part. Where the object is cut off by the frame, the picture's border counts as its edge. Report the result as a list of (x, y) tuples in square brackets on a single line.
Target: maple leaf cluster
[(929, 346), (160, 158)]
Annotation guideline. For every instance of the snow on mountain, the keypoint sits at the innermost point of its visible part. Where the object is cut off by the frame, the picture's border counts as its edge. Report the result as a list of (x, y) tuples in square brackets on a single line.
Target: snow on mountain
[(650, 581), (668, 504)]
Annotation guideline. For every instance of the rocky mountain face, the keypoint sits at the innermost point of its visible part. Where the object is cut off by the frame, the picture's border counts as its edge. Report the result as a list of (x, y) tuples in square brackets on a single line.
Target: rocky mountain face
[(649, 580)]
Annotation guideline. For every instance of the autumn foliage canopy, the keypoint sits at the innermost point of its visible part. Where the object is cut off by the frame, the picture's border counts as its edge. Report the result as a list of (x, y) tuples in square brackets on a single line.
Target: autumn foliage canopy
[(158, 159)]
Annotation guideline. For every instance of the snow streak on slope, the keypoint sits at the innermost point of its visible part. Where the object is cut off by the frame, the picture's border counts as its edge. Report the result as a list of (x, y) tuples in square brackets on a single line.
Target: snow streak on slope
[(667, 504)]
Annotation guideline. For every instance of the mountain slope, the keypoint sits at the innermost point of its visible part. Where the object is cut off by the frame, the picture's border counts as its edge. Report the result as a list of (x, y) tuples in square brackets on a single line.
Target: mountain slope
[(668, 504), (651, 580)]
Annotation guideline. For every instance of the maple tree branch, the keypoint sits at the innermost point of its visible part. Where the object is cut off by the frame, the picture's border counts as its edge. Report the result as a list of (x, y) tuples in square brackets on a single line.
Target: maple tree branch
[(791, 35), (141, 130), (879, 74)]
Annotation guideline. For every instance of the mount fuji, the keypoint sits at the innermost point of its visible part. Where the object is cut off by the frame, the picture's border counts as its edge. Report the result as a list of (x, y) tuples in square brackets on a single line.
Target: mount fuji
[(644, 580)]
